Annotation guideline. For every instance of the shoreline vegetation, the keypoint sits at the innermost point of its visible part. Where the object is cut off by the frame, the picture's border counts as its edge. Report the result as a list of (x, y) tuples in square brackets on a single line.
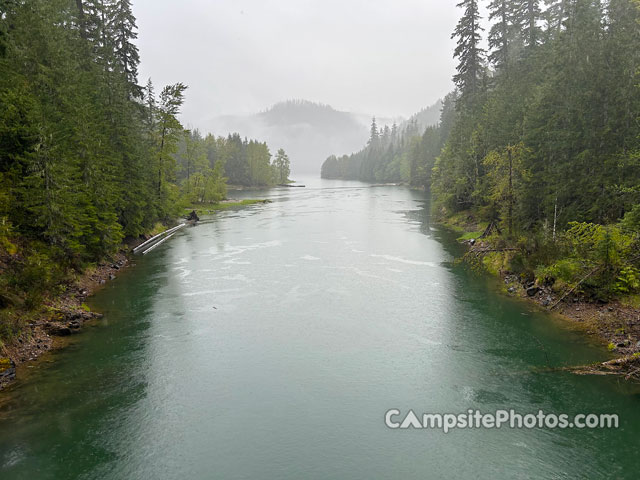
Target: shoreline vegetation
[(614, 322), (536, 158), (64, 313), (91, 158)]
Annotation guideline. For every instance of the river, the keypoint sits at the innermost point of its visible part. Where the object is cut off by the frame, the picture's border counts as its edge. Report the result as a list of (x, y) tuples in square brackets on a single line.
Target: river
[(269, 342)]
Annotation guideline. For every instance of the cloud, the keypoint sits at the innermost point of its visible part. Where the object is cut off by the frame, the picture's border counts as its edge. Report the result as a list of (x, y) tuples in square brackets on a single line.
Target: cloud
[(240, 56)]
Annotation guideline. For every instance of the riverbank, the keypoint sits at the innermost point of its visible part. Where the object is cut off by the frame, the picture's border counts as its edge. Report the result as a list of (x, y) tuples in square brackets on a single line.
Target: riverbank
[(613, 322), (63, 315), (59, 316)]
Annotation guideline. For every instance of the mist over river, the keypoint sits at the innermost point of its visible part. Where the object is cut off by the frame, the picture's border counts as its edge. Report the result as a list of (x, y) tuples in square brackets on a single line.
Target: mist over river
[(269, 342)]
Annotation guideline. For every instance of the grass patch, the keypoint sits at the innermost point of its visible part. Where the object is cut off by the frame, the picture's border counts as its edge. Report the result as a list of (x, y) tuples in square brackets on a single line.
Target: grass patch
[(631, 301), (465, 223), (470, 235), (157, 228)]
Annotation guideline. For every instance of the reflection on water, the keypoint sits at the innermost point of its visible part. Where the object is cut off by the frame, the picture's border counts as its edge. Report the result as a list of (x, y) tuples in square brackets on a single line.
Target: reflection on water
[(268, 342)]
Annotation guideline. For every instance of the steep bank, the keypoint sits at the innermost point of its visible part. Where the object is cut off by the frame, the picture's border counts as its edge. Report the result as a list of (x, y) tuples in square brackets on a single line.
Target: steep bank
[(62, 311), (59, 317)]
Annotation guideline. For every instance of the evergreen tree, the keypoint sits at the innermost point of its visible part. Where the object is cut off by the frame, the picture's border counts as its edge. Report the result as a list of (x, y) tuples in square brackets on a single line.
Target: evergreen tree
[(526, 19), (470, 55), (555, 15), (123, 26), (282, 166), (373, 133), (501, 34)]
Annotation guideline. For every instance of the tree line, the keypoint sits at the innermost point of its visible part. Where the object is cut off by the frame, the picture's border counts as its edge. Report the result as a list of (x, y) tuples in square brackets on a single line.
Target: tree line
[(552, 105), (206, 164), (546, 139), (541, 137), (89, 157), (392, 154)]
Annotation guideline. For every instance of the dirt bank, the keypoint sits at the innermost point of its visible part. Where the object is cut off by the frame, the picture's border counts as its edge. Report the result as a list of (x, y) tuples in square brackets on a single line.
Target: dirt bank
[(59, 317), (615, 324)]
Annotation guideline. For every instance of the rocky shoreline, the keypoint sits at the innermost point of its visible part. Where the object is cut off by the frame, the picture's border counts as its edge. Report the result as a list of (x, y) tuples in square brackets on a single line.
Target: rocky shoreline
[(60, 317), (613, 323)]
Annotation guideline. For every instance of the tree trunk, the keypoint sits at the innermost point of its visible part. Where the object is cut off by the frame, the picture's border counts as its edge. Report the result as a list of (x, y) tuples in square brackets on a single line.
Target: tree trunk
[(164, 133), (555, 217), (510, 153), (81, 18)]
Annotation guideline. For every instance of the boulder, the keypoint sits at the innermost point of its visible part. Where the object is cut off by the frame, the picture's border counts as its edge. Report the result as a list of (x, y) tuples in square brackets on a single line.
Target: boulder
[(57, 330), (7, 370), (193, 216), (532, 291)]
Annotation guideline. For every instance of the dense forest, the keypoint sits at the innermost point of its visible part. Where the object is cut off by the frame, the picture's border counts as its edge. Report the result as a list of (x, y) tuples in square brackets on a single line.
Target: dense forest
[(546, 140), (538, 148), (396, 153), (89, 157), (205, 163)]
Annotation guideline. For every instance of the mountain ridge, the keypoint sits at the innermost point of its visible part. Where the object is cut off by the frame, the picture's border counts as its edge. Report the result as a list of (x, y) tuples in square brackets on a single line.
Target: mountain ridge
[(308, 131)]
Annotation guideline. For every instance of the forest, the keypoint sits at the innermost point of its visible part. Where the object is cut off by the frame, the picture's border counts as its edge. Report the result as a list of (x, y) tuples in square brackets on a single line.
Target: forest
[(397, 153), (88, 156), (538, 148)]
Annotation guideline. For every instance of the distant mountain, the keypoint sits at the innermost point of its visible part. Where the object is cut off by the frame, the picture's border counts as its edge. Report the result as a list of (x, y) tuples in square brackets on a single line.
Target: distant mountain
[(309, 132)]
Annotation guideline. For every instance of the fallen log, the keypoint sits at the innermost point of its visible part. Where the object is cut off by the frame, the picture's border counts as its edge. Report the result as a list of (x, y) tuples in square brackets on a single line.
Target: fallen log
[(158, 243), (489, 230), (575, 286), (628, 366), (157, 237)]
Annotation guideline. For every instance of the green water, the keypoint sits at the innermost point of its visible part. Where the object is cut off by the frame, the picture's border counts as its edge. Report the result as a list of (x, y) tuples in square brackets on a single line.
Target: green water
[(269, 343)]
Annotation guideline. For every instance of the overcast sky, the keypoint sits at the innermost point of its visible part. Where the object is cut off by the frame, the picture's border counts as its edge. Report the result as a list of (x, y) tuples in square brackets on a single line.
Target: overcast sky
[(386, 58)]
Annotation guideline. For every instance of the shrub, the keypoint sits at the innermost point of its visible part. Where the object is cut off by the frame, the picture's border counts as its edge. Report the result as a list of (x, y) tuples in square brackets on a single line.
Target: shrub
[(628, 280)]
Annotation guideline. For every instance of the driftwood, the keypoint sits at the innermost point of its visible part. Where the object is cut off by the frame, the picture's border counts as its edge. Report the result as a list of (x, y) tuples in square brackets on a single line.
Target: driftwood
[(628, 366), (482, 251), (489, 230), (158, 243), (575, 286), (156, 238)]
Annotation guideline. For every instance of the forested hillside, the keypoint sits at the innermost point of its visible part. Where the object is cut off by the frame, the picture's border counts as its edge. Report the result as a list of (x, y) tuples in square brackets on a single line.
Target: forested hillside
[(87, 156), (555, 101), (403, 153), (546, 140), (540, 142)]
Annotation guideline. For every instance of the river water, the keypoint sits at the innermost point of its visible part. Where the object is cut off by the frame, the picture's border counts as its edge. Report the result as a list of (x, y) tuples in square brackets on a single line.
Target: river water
[(269, 342)]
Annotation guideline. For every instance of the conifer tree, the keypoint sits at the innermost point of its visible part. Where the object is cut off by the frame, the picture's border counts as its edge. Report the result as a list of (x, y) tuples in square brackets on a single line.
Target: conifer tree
[(526, 18), (468, 51), (501, 33)]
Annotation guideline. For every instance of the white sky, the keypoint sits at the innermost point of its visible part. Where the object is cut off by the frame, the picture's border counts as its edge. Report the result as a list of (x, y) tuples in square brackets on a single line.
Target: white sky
[(388, 58)]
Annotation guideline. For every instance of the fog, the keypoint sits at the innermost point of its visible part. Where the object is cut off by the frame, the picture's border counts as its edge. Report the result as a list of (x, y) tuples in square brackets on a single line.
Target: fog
[(240, 57)]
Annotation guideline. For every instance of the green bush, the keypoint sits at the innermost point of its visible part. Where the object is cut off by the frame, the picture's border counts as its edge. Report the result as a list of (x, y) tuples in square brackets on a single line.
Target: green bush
[(37, 275), (567, 270), (628, 281)]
